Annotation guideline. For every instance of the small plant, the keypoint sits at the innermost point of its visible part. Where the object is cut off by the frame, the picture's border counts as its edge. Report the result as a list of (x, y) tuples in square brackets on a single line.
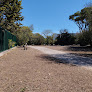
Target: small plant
[(23, 89), (11, 43)]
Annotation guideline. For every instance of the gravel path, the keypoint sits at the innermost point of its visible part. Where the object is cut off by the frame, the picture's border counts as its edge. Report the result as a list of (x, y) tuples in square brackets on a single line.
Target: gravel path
[(28, 71), (65, 57)]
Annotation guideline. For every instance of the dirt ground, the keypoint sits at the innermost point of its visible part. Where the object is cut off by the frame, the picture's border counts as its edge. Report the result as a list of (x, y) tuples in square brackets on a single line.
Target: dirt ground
[(28, 71), (77, 50)]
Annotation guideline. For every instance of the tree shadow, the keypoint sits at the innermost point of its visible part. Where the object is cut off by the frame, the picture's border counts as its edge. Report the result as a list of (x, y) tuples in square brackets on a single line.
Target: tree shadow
[(51, 59), (68, 59), (79, 48), (84, 55)]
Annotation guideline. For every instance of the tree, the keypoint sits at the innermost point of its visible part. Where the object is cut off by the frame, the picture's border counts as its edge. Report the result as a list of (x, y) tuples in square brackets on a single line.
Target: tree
[(23, 35), (37, 39), (10, 15), (31, 27), (47, 33), (83, 38), (83, 19), (54, 35), (49, 40), (88, 4), (65, 38)]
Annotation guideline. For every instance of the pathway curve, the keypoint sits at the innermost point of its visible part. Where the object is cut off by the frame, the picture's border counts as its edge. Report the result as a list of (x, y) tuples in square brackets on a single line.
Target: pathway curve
[(66, 57)]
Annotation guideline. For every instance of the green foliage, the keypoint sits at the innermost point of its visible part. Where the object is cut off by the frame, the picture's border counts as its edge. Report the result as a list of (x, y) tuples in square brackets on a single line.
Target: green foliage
[(23, 89), (83, 19), (49, 40), (23, 35), (10, 14), (11, 43), (84, 38), (37, 39), (49, 37), (65, 38)]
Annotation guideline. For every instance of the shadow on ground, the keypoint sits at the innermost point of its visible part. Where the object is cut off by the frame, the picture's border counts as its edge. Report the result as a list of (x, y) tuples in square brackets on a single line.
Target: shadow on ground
[(68, 59), (84, 55), (51, 59), (79, 48)]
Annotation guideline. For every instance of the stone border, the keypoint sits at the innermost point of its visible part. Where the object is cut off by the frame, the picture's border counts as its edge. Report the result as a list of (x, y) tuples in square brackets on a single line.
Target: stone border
[(6, 51)]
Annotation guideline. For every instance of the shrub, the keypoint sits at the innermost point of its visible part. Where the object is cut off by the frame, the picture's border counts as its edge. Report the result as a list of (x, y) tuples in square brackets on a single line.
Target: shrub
[(11, 43)]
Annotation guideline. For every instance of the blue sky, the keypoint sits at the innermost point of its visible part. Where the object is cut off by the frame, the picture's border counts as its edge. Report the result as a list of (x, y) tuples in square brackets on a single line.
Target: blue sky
[(51, 14)]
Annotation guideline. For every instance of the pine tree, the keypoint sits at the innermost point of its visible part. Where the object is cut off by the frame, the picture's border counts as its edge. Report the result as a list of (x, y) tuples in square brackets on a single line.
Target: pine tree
[(10, 15)]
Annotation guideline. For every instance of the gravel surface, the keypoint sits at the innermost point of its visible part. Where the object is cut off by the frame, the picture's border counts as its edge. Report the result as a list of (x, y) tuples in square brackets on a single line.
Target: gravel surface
[(65, 57), (75, 50), (28, 71)]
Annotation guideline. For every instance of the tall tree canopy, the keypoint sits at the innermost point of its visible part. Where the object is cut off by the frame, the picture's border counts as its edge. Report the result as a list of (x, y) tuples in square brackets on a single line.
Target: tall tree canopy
[(10, 15), (83, 18)]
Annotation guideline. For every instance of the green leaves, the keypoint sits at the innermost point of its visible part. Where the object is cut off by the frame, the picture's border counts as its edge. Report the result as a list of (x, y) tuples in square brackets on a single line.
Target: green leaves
[(10, 14), (23, 35), (37, 39), (83, 18), (11, 43)]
